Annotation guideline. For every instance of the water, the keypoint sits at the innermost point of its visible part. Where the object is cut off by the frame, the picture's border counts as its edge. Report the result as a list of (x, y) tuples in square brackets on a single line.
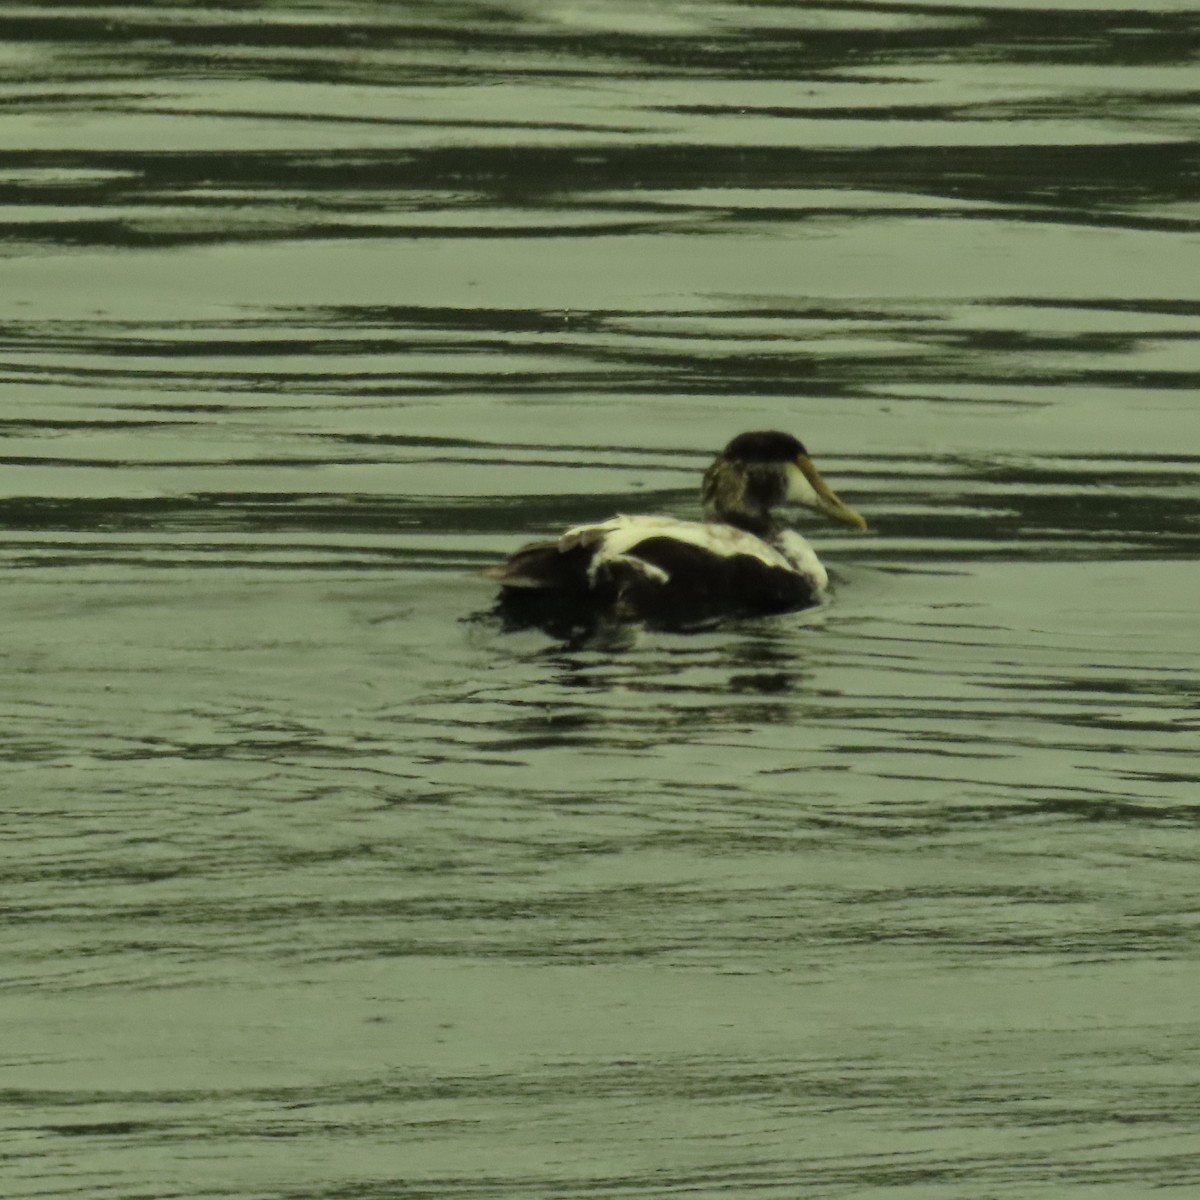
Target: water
[(318, 883)]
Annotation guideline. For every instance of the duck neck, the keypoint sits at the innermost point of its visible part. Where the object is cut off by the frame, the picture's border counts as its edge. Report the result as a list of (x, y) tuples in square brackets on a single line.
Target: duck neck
[(742, 494), (756, 521)]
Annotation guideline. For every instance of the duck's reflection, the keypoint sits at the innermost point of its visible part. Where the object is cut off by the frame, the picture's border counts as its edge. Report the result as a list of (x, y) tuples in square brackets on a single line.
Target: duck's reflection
[(617, 682)]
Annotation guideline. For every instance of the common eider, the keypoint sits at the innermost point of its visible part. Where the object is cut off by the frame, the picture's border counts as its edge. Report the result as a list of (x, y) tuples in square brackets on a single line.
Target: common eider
[(738, 561)]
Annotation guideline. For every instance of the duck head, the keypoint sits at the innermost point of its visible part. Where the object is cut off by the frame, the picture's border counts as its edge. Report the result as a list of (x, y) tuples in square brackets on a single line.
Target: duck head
[(757, 472)]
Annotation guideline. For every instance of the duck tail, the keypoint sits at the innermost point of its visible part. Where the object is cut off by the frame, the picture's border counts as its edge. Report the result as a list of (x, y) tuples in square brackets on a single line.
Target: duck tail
[(545, 566)]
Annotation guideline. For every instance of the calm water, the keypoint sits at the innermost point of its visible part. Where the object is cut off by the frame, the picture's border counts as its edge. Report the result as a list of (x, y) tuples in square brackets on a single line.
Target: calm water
[(317, 883)]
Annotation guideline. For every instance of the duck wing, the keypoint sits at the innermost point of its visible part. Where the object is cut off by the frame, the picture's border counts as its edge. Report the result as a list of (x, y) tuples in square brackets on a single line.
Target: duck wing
[(669, 579), (660, 568)]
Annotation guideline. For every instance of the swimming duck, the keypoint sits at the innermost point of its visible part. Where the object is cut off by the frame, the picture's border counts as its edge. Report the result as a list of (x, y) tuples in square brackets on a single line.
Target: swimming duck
[(738, 560)]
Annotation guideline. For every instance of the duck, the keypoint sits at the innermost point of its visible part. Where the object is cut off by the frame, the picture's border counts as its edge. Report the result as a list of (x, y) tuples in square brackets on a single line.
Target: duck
[(740, 560)]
